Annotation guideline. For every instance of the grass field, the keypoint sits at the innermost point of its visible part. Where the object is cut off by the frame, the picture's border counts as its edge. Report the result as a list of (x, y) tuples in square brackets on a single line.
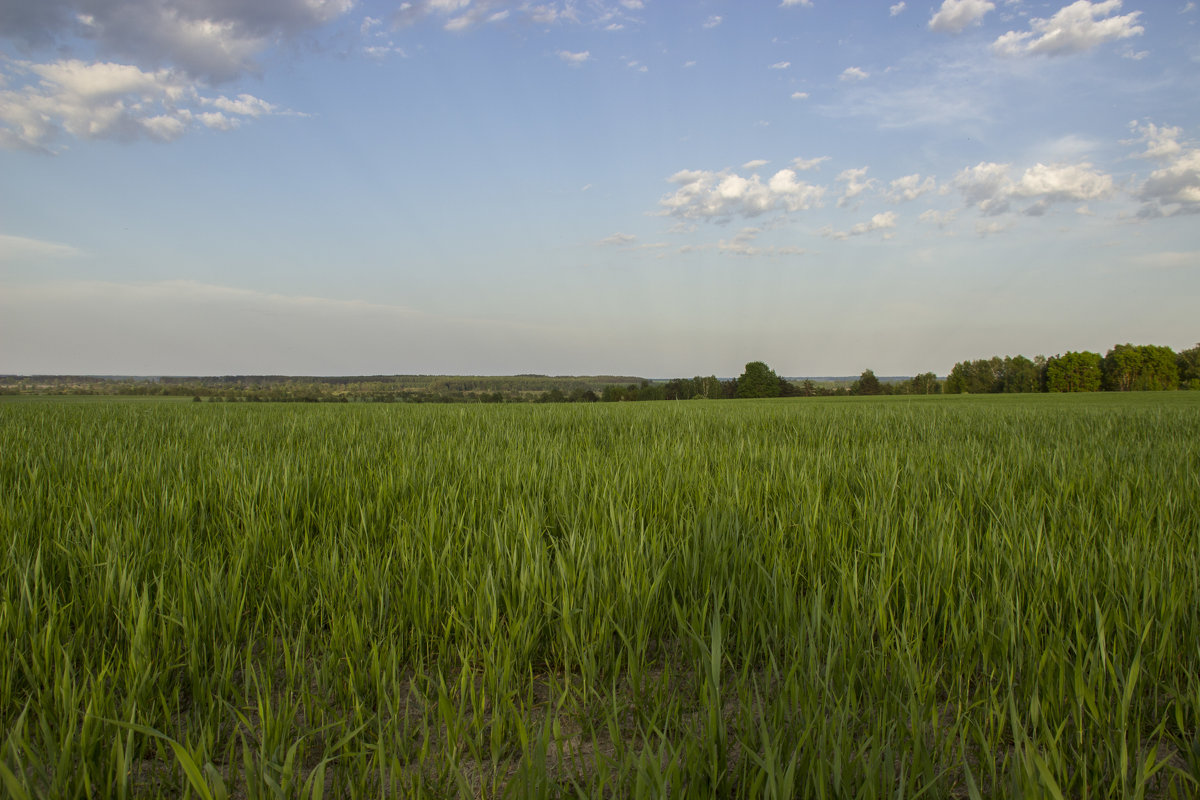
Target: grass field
[(905, 597)]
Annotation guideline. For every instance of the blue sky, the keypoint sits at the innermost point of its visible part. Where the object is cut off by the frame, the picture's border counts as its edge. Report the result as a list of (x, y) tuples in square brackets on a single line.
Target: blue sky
[(600, 186)]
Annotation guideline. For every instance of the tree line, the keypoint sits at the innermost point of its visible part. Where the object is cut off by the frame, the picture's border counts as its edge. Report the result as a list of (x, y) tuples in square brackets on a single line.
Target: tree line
[(1124, 368)]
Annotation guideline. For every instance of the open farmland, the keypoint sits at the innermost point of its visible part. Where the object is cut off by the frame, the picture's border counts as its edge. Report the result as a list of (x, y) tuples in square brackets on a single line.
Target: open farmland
[(943, 597)]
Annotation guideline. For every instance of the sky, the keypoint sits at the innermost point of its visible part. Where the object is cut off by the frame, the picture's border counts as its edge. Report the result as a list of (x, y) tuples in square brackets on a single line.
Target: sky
[(634, 187)]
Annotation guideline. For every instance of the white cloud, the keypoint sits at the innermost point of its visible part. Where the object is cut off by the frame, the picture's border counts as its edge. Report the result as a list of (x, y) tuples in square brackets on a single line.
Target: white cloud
[(985, 185), (880, 222), (897, 9), (787, 3), (910, 187), (780, 65), (1173, 188), (855, 185), (574, 59), (755, 164), (799, 95), (1063, 182), (13, 248), (989, 187), (245, 104), (111, 101), (214, 39), (854, 74), (805, 164), (1073, 29), (712, 21), (704, 194), (1160, 142), (955, 15)]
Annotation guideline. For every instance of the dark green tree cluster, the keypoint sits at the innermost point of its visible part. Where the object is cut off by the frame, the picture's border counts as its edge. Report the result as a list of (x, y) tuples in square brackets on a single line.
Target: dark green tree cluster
[(995, 375), (1073, 372), (1139, 368), (868, 385), (1126, 367), (1188, 363)]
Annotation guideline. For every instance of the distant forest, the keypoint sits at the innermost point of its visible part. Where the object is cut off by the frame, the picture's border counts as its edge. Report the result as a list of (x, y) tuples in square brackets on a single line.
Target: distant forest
[(1125, 367)]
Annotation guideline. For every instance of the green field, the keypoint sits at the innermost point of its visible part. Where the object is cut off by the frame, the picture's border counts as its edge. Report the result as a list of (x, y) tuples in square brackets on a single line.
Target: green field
[(936, 597)]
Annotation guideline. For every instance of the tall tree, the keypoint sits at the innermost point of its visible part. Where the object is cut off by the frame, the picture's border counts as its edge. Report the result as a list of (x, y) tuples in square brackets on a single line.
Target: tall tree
[(758, 380), (1139, 368), (1188, 363), (866, 384), (1019, 374), (925, 383), (975, 377), (1073, 372)]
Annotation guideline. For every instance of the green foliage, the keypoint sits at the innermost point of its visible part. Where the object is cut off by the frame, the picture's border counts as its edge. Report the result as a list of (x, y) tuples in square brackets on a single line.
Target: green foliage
[(1188, 364), (867, 384), (925, 383), (983, 376), (1073, 372), (758, 380), (1140, 368), (935, 597), (1019, 374)]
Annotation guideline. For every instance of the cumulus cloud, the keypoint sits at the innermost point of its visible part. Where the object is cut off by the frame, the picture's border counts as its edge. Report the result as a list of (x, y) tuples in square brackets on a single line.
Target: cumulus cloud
[(1073, 29), (880, 222), (111, 101), (804, 164), (703, 194), (755, 163), (854, 74), (855, 185), (214, 39), (799, 95), (1161, 142), (910, 187), (986, 185), (955, 15), (897, 9), (989, 186), (1173, 188), (780, 65)]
